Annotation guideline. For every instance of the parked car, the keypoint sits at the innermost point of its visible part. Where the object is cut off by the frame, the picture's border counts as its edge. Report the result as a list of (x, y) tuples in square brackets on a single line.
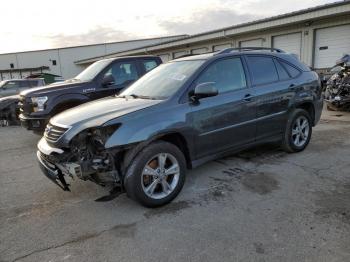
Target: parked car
[(183, 114), (15, 86), (9, 98), (103, 78)]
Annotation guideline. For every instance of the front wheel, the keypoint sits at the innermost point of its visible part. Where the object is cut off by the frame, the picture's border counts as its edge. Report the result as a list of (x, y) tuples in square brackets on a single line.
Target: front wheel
[(156, 175), (298, 131)]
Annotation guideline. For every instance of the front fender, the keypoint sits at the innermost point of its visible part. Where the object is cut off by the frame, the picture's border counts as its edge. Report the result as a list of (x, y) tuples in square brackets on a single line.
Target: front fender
[(133, 133), (67, 99), (152, 122)]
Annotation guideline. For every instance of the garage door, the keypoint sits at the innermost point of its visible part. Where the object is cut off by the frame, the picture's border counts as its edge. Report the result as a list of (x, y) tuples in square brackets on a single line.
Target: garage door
[(290, 43), (199, 51), (330, 45), (221, 47), (251, 43), (179, 54)]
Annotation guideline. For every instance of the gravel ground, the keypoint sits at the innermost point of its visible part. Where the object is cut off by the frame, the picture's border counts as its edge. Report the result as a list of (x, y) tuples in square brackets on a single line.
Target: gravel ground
[(258, 205)]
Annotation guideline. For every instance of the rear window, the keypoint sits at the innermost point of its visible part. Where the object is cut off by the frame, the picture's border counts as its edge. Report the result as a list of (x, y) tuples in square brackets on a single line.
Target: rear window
[(149, 65), (282, 72), (262, 69), (293, 72)]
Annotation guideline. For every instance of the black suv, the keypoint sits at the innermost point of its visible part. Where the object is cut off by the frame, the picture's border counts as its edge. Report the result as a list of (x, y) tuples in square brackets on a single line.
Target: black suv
[(103, 78), (183, 114)]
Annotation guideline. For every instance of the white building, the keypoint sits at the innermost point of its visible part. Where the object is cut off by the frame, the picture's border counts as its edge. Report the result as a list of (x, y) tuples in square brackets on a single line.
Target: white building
[(60, 61), (318, 35)]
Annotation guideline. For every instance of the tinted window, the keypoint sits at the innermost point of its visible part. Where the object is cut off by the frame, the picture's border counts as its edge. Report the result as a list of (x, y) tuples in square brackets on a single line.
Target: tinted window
[(227, 75), (34, 83), (282, 73), (149, 65), (123, 72), (24, 84), (293, 72), (263, 69)]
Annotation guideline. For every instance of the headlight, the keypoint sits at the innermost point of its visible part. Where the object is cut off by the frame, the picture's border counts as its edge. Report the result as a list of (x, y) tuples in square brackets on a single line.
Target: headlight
[(39, 103)]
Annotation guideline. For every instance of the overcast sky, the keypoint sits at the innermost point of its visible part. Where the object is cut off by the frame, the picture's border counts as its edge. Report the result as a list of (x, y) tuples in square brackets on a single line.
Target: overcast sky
[(40, 24)]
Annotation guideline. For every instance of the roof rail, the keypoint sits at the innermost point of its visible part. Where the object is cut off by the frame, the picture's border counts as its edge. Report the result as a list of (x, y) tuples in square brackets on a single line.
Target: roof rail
[(238, 49)]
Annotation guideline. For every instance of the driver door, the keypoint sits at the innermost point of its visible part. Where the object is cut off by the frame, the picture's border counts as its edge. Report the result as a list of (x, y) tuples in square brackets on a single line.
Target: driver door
[(227, 120), (124, 74)]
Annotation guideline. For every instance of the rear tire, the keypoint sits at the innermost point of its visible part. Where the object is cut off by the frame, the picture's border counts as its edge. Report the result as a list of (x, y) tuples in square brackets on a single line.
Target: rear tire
[(298, 131), (156, 175)]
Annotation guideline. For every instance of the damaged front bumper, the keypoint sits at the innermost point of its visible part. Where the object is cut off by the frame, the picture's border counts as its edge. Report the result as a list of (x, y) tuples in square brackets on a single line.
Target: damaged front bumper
[(58, 164), (52, 172)]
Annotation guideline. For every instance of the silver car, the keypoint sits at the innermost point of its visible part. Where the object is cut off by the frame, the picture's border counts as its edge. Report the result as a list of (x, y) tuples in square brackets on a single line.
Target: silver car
[(15, 86)]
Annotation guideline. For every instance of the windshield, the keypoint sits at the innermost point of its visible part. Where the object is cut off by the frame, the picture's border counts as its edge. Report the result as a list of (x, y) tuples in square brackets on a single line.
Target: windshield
[(91, 71), (163, 81), (2, 83)]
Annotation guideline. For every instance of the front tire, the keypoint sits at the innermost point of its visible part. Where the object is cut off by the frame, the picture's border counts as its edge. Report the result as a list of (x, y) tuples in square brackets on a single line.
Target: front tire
[(298, 131), (156, 175)]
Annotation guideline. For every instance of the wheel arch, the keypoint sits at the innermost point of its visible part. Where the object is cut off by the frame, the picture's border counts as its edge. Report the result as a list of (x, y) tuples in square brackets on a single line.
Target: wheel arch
[(308, 107), (178, 140), (63, 103), (175, 138)]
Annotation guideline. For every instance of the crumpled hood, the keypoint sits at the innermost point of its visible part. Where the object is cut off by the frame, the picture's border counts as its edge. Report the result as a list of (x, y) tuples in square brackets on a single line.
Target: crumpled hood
[(43, 90), (98, 112)]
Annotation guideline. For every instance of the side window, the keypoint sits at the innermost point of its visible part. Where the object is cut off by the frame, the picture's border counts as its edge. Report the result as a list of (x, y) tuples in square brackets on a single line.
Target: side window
[(293, 72), (24, 84), (263, 69), (34, 83), (123, 72), (11, 85), (149, 65), (282, 73), (228, 75)]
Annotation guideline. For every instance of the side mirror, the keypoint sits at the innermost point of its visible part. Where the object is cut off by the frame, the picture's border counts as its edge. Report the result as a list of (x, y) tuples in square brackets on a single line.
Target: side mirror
[(207, 89), (108, 80)]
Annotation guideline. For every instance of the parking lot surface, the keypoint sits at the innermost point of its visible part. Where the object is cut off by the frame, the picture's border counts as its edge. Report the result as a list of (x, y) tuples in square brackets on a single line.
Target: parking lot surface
[(258, 205)]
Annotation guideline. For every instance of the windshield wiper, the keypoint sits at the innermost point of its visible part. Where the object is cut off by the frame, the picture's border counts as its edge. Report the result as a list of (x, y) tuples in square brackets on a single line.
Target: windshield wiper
[(136, 96)]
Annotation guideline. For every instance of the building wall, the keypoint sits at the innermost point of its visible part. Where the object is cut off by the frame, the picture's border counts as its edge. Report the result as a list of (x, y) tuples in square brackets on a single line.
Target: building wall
[(65, 57), (307, 39)]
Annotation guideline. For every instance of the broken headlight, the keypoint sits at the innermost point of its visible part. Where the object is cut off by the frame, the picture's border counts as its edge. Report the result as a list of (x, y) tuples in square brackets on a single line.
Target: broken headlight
[(100, 135)]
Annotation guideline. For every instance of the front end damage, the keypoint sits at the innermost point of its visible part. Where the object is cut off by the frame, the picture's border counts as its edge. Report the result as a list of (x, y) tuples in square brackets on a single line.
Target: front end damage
[(86, 158)]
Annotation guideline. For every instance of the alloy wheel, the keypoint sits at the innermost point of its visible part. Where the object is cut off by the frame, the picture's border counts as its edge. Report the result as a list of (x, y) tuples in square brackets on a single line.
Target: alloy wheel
[(160, 176), (300, 131)]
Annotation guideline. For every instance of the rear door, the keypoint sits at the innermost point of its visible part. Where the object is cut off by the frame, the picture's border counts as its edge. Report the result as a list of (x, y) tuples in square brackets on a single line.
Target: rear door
[(273, 89), (226, 120)]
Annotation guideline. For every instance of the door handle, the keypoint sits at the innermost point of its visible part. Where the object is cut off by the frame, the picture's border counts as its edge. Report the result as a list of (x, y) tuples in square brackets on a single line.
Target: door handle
[(248, 98)]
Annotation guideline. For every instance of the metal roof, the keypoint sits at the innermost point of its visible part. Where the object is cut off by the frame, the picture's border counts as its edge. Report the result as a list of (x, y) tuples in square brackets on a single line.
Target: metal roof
[(107, 43), (321, 11)]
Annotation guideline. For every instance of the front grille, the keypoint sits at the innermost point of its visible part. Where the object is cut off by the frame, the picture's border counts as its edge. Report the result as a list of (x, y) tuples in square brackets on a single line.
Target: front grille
[(25, 105), (54, 133)]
